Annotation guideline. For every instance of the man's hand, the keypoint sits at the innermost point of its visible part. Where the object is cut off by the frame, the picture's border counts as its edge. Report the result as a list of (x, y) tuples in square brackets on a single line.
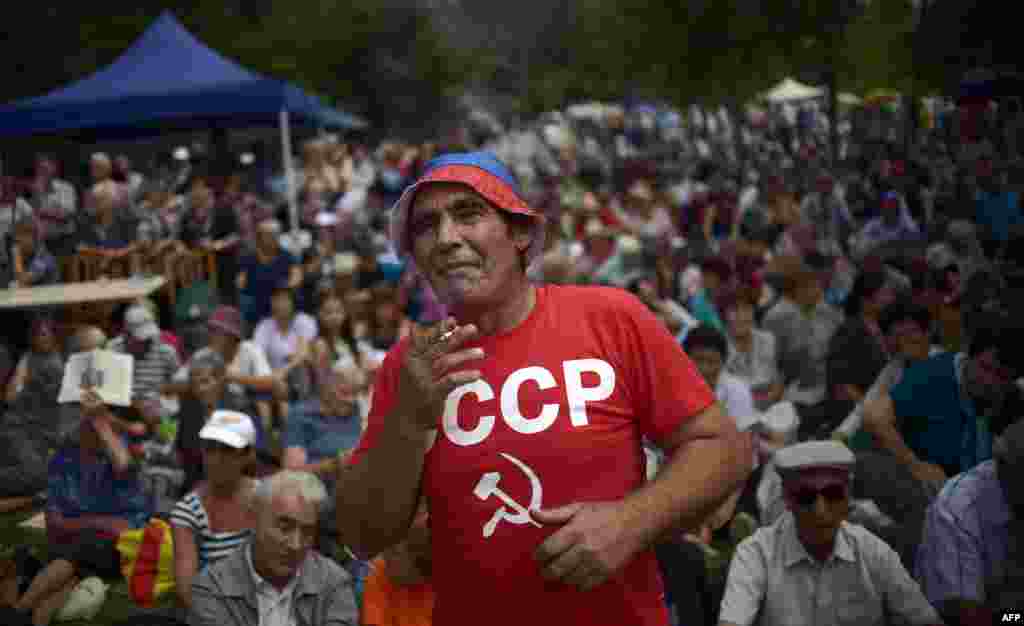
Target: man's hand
[(931, 475), (596, 539), (432, 368)]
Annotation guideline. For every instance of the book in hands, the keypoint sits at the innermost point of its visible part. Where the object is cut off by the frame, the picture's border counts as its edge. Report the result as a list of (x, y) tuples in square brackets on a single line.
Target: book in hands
[(107, 373)]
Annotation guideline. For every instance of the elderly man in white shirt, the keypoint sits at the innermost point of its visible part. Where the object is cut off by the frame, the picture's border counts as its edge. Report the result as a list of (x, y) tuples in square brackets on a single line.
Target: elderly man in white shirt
[(811, 567), (278, 579)]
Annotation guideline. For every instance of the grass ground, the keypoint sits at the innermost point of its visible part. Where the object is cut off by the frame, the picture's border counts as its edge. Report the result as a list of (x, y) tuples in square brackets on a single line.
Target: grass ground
[(118, 606)]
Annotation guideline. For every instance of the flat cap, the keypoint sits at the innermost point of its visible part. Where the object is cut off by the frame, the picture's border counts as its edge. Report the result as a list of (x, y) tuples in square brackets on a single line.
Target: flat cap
[(813, 455)]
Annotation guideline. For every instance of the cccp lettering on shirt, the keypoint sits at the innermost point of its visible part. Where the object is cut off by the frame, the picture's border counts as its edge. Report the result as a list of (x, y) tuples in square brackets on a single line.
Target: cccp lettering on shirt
[(557, 417)]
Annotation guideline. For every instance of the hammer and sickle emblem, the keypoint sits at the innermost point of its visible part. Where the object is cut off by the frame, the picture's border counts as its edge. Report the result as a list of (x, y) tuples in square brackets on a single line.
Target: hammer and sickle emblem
[(510, 511)]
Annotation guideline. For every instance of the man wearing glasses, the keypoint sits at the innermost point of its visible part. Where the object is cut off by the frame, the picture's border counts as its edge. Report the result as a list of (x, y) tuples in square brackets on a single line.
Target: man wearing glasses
[(811, 567)]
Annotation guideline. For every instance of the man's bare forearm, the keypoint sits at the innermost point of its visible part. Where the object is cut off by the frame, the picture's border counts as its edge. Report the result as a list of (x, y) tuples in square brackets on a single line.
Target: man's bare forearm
[(699, 477), (890, 439), (378, 496)]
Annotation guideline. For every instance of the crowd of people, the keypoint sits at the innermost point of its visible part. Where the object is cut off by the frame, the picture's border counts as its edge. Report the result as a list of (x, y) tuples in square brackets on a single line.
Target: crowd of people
[(854, 318)]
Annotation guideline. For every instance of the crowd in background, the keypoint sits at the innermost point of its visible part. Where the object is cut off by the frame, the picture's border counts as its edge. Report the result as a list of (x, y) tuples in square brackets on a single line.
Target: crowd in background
[(866, 298)]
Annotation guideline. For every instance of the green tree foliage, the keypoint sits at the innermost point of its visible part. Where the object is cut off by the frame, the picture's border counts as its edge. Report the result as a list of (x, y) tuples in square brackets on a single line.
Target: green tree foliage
[(400, 65)]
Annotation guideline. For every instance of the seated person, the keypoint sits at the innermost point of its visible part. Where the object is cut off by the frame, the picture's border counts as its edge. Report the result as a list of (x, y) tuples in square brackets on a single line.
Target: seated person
[(803, 324), (215, 518), (277, 578), (34, 422), (248, 372), (320, 430), (285, 338), (894, 225), (938, 421), (860, 336), (716, 275), (207, 393), (155, 362), (859, 579), (708, 349), (33, 264), (905, 326), (108, 233), (94, 494), (398, 590), (752, 356), (968, 554)]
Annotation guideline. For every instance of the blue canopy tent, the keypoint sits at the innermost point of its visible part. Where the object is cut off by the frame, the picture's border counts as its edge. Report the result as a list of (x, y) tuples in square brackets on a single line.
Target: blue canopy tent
[(168, 75), (169, 79)]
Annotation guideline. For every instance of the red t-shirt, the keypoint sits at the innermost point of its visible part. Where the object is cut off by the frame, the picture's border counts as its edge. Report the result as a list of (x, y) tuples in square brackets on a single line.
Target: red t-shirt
[(557, 419)]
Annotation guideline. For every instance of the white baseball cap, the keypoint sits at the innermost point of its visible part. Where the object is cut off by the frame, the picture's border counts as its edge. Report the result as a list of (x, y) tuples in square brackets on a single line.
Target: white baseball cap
[(231, 428)]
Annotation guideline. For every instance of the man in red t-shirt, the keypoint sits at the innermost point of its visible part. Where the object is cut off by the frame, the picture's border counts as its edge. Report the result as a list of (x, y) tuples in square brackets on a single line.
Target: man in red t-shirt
[(520, 420)]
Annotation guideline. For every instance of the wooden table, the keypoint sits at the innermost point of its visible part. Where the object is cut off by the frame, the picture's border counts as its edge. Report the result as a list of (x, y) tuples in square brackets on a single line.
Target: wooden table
[(79, 293)]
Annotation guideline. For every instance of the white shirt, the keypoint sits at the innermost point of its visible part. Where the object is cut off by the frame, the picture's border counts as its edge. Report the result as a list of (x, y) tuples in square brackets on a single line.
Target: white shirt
[(774, 581), (735, 396), (759, 366), (279, 347), (275, 606), (249, 361)]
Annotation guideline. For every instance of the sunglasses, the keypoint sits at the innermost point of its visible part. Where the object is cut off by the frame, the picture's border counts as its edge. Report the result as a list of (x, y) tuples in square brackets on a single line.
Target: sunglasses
[(806, 497)]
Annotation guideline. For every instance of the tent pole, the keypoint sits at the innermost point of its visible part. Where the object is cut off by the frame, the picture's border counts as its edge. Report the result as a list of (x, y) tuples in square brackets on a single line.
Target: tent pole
[(289, 172)]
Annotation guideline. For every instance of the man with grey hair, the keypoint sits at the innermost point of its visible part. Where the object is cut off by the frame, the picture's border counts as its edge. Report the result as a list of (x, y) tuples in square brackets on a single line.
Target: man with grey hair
[(278, 579)]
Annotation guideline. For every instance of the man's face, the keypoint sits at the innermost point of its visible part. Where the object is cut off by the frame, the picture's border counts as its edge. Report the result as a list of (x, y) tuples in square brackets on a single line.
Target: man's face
[(224, 464), (709, 363), (206, 384), (820, 502), (468, 252), (909, 340), (740, 320), (285, 533)]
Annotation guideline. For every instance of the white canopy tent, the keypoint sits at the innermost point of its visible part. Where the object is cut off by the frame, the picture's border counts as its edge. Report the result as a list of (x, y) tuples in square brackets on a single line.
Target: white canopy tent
[(789, 90), (849, 99)]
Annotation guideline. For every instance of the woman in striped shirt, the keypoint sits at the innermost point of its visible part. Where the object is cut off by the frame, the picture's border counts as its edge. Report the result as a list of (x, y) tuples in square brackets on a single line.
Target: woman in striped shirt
[(216, 517)]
